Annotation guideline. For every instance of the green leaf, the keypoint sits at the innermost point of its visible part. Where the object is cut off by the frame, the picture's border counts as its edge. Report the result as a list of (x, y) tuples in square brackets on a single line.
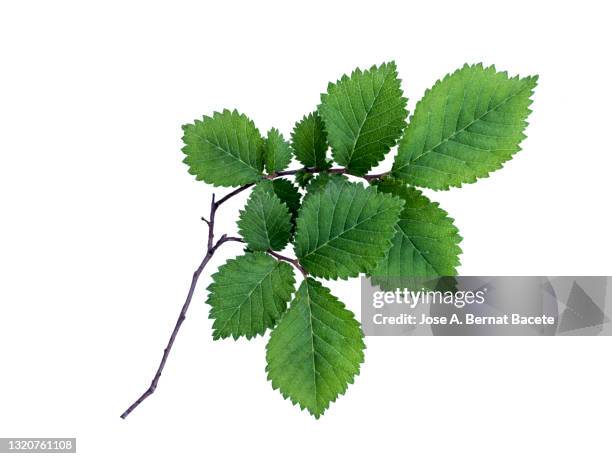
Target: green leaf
[(364, 116), (321, 181), (277, 152), (289, 194), (345, 229), (265, 222), (248, 295), (425, 246), (464, 127), (316, 350), (225, 150), (309, 142), (303, 177)]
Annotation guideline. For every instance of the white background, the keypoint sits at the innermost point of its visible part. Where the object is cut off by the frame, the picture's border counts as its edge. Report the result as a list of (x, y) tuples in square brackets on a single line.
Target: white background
[(100, 229)]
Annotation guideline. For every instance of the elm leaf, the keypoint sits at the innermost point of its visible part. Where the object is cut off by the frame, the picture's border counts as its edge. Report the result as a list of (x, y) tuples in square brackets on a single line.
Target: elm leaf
[(224, 150), (465, 127), (364, 115), (289, 194), (265, 222), (277, 152), (316, 349), (309, 142), (345, 229), (249, 294), (425, 246)]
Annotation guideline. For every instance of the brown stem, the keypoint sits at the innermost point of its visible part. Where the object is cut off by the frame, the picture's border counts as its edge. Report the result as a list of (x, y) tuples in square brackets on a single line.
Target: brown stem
[(211, 249), (232, 194), (372, 177), (335, 170), (293, 261), (276, 255)]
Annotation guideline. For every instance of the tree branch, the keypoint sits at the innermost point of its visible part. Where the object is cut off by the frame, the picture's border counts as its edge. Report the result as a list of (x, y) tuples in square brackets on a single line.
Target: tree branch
[(335, 170), (293, 261), (276, 255), (232, 194), (210, 250)]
